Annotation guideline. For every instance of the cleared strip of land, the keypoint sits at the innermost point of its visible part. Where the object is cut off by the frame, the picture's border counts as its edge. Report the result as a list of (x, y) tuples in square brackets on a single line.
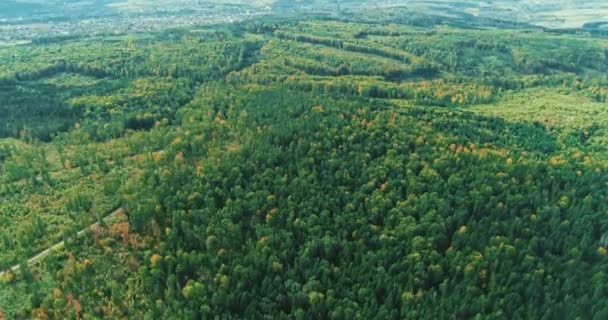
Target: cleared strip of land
[(60, 245)]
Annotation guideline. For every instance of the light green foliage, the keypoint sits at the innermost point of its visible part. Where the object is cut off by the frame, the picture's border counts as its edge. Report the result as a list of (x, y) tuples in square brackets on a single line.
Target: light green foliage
[(579, 120)]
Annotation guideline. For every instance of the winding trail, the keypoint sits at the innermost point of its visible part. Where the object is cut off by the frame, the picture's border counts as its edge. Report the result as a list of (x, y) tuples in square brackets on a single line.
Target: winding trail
[(60, 245)]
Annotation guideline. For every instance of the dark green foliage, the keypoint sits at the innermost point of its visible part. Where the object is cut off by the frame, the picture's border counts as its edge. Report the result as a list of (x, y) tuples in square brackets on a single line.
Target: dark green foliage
[(24, 112), (306, 170)]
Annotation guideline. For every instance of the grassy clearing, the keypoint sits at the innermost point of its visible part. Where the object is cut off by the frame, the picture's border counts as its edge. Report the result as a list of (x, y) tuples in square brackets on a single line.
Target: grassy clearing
[(580, 121), (71, 80), (550, 107)]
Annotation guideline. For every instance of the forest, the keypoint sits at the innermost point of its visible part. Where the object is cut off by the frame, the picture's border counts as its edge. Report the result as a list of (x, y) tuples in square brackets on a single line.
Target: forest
[(360, 166)]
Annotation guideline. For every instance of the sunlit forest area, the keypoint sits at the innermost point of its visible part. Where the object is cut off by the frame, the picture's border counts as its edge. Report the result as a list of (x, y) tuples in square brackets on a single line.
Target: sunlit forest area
[(367, 165)]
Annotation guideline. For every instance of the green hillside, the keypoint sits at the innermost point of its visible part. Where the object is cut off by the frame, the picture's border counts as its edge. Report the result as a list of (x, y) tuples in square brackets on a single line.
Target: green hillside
[(366, 165)]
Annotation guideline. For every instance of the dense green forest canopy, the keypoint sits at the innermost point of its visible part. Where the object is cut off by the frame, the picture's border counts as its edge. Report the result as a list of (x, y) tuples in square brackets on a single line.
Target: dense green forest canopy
[(358, 166)]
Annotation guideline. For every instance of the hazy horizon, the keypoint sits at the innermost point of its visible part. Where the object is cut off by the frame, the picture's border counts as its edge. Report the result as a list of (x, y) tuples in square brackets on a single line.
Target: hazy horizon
[(547, 13)]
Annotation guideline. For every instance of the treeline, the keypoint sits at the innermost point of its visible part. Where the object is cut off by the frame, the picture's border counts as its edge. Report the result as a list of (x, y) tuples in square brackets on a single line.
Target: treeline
[(341, 44), (313, 67), (61, 67), (398, 16), (169, 57), (377, 32), (485, 45), (594, 88), (315, 60), (435, 92), (451, 91)]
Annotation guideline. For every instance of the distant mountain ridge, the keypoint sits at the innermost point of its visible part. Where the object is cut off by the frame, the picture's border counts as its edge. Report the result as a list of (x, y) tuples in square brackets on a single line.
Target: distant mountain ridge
[(34, 9), (13, 10)]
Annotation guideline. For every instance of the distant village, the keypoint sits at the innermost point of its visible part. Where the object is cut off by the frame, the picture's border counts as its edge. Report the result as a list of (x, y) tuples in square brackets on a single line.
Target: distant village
[(12, 33)]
